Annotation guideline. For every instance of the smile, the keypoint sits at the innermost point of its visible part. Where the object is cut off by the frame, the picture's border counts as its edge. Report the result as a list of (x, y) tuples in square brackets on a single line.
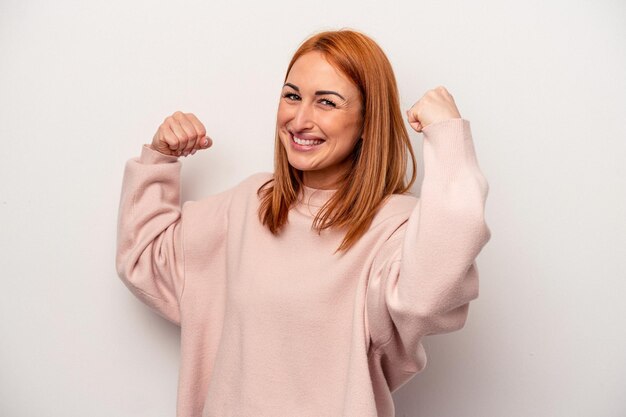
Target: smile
[(305, 143)]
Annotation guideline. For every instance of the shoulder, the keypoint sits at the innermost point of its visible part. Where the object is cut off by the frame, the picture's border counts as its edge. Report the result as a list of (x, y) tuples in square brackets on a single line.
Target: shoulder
[(248, 188), (399, 206), (391, 218), (256, 180)]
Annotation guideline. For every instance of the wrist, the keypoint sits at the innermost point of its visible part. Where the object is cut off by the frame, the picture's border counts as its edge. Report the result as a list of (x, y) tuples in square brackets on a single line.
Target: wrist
[(154, 148), (152, 155)]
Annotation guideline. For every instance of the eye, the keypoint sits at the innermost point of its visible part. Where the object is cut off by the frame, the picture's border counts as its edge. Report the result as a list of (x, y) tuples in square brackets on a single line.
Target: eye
[(328, 102), (291, 96)]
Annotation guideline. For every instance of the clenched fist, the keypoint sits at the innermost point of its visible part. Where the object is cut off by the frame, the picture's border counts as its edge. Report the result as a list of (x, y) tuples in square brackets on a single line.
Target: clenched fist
[(434, 106), (180, 134)]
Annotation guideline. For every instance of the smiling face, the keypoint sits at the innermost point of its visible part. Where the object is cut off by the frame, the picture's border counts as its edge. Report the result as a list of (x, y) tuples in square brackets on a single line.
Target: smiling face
[(319, 120)]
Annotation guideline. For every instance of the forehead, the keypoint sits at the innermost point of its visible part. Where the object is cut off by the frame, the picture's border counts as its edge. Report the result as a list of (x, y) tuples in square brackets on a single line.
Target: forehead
[(313, 70)]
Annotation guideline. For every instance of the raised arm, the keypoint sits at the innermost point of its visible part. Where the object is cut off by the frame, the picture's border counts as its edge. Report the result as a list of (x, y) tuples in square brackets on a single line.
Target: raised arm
[(149, 257), (426, 275)]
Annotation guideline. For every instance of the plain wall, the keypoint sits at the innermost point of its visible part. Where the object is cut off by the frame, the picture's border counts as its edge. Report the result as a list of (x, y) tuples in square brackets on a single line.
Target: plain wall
[(83, 84)]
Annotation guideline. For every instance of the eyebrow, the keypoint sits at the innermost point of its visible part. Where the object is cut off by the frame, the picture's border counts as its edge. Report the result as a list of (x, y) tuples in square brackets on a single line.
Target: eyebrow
[(317, 93)]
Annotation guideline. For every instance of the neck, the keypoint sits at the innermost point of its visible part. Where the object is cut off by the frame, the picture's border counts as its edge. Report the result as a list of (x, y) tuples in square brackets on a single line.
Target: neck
[(326, 179), (315, 196)]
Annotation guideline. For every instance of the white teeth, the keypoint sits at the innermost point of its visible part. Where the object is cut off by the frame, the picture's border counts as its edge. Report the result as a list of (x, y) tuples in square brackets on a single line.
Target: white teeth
[(306, 142)]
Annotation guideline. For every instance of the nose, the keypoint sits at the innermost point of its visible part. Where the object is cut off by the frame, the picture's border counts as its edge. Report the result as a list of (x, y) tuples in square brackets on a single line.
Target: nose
[(303, 117)]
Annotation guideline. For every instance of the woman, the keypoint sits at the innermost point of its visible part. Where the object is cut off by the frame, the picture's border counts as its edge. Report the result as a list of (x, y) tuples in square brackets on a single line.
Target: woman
[(307, 291)]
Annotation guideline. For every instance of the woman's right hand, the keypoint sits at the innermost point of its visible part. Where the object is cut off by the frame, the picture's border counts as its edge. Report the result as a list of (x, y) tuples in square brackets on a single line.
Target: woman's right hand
[(180, 134)]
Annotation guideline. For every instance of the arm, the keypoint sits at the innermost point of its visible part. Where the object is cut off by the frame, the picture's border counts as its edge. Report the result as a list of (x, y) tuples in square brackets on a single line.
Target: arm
[(149, 257), (425, 275)]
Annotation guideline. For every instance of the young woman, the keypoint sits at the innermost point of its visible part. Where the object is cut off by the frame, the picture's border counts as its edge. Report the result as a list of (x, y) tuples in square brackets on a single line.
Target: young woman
[(307, 291)]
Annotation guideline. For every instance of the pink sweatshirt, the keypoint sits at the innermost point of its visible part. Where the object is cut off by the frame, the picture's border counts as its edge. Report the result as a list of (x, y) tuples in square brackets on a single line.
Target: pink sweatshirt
[(279, 326)]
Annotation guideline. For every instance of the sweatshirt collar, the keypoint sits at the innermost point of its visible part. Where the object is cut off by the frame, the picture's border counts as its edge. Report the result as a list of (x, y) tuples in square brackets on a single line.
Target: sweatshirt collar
[(315, 197)]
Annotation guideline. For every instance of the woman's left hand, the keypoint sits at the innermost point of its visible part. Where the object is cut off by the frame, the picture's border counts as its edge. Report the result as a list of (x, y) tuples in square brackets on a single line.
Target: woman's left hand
[(434, 106)]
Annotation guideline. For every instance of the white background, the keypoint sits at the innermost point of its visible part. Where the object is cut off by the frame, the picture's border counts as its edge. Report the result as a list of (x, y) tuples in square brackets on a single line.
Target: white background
[(84, 84)]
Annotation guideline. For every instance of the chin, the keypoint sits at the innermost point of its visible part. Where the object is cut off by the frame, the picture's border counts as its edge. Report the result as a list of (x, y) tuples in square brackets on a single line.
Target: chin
[(300, 166)]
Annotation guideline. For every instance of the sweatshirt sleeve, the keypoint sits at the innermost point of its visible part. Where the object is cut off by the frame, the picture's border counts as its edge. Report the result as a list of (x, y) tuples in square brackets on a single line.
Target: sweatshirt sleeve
[(149, 257), (425, 275)]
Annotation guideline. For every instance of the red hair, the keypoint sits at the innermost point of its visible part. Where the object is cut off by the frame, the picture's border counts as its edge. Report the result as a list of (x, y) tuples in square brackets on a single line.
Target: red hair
[(379, 159)]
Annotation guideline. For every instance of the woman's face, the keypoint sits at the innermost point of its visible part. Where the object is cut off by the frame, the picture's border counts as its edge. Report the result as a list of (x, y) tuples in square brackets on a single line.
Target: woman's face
[(319, 120)]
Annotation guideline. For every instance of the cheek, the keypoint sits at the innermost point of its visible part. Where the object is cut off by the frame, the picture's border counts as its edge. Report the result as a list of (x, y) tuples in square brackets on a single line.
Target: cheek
[(282, 115), (344, 128)]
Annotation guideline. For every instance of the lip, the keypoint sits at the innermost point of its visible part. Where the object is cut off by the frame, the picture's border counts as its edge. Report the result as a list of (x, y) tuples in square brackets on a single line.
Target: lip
[(303, 148), (305, 136)]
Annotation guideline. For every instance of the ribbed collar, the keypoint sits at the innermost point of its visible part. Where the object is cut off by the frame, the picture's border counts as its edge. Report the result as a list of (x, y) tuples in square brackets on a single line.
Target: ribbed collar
[(315, 197)]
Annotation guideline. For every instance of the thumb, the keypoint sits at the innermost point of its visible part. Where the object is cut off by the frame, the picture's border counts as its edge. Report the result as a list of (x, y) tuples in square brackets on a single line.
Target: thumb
[(413, 121), (206, 142)]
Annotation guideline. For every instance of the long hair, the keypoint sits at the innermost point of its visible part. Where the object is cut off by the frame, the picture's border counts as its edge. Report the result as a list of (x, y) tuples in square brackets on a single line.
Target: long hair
[(379, 158)]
